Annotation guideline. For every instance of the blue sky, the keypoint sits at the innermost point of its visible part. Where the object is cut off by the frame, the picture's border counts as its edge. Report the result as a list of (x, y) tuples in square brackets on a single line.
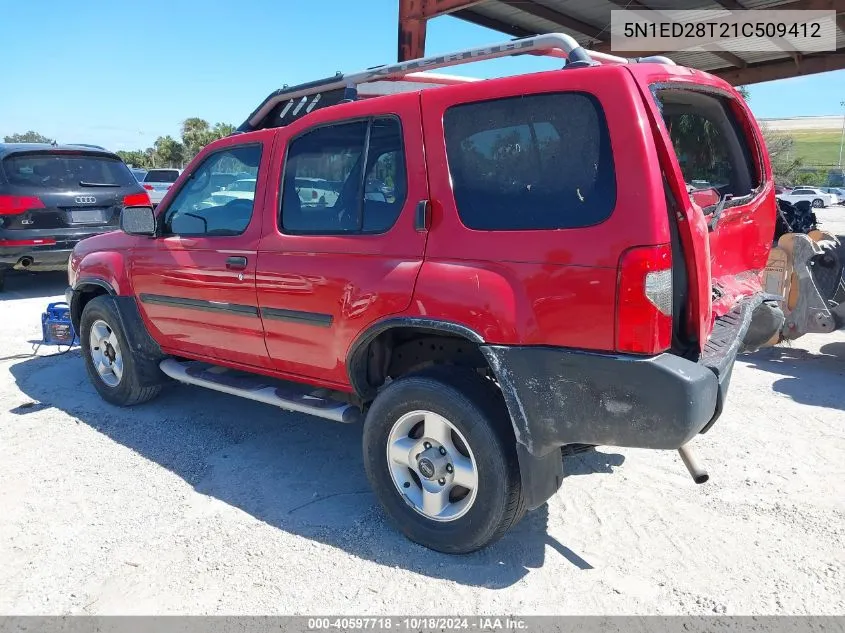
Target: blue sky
[(120, 74)]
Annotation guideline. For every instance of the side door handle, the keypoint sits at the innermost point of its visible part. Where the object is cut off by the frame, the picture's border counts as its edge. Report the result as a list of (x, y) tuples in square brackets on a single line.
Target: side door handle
[(422, 215), (236, 263)]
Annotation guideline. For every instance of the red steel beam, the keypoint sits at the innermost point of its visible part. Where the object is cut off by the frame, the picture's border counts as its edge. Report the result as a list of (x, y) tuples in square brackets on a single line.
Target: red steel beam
[(426, 9), (412, 18)]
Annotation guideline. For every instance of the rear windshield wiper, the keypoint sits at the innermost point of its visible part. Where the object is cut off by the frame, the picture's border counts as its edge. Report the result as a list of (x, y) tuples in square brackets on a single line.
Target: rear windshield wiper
[(83, 183)]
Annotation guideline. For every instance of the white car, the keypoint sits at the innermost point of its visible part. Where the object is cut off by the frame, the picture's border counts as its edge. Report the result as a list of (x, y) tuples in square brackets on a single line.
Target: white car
[(317, 192), (837, 192), (243, 189), (158, 181), (816, 197)]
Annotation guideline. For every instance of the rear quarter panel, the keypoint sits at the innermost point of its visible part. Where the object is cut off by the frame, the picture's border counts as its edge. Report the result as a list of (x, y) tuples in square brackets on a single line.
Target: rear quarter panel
[(549, 287)]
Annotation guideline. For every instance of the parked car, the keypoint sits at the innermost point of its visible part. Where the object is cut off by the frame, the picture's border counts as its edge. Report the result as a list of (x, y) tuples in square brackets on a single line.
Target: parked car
[(816, 197), (240, 189), (88, 145), (540, 280), (838, 192), (52, 196), (158, 182), (317, 191)]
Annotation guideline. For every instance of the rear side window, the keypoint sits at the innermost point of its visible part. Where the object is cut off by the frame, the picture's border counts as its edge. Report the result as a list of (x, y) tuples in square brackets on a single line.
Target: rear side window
[(66, 171), (345, 178), (535, 162), (162, 175), (711, 148)]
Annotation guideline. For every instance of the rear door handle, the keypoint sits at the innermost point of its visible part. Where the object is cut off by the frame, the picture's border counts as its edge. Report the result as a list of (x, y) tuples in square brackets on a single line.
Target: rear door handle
[(236, 263), (422, 215)]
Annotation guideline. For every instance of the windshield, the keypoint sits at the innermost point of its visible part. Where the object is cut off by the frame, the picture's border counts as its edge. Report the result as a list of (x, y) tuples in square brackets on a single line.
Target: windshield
[(55, 170)]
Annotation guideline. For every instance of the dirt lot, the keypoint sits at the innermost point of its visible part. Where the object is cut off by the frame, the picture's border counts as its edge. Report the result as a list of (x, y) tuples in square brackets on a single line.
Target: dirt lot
[(204, 503)]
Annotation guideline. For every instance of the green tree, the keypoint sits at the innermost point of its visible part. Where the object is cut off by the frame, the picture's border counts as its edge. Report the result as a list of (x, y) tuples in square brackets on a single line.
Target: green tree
[(196, 134), (135, 158), (221, 130), (780, 147), (809, 178), (28, 137), (168, 152)]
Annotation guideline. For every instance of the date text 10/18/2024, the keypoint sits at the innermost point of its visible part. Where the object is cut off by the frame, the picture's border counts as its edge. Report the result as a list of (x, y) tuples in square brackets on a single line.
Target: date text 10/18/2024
[(481, 623)]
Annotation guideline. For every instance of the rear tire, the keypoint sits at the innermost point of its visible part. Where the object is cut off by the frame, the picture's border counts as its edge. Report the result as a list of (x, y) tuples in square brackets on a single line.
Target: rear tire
[(818, 203), (110, 365), (480, 450)]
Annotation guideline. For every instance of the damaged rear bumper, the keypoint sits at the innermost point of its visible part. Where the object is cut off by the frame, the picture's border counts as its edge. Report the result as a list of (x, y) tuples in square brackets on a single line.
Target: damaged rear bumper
[(559, 396)]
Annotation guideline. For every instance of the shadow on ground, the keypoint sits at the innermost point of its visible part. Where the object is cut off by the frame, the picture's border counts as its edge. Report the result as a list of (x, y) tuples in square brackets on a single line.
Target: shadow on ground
[(297, 473), (592, 462), (809, 378), (26, 285)]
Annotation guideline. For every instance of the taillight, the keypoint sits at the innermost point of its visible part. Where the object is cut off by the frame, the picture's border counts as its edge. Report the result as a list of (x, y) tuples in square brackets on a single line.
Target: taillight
[(137, 200), (644, 300), (14, 205), (149, 187), (44, 241)]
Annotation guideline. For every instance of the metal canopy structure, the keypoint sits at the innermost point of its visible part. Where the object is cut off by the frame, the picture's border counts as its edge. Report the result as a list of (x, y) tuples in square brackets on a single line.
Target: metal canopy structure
[(588, 21)]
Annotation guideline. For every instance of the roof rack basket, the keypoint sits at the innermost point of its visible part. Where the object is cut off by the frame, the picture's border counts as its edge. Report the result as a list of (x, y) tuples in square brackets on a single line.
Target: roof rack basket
[(289, 103)]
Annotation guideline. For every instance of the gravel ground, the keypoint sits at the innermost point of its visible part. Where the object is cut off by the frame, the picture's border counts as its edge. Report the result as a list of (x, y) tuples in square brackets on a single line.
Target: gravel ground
[(204, 503)]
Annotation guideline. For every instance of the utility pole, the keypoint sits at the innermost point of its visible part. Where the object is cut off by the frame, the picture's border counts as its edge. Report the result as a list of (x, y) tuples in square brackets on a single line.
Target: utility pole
[(842, 140)]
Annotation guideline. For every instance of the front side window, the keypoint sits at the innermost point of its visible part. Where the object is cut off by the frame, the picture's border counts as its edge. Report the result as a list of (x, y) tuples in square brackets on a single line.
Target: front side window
[(336, 182), (531, 163), (205, 207)]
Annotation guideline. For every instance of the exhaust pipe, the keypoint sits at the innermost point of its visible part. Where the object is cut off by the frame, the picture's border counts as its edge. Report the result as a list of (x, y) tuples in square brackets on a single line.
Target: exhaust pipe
[(698, 474), (24, 263)]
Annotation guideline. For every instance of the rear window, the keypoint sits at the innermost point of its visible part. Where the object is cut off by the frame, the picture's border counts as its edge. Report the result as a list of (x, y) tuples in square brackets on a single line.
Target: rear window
[(711, 148), (534, 162), (65, 171), (162, 175)]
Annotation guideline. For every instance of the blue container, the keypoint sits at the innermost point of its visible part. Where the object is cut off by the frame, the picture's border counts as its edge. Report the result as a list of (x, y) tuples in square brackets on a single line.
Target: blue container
[(56, 327)]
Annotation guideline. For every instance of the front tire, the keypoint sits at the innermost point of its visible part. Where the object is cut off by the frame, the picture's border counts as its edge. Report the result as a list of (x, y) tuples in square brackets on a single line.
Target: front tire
[(108, 359), (440, 454), (818, 203)]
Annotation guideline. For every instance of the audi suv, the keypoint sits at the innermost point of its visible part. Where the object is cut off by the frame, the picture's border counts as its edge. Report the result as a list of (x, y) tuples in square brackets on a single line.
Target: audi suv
[(53, 196)]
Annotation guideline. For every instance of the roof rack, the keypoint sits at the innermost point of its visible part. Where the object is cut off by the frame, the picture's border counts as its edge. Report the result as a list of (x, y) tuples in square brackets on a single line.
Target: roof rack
[(289, 103)]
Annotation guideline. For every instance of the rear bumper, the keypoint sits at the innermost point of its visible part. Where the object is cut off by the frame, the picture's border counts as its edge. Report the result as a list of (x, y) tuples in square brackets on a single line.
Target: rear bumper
[(36, 258), (15, 252), (559, 396)]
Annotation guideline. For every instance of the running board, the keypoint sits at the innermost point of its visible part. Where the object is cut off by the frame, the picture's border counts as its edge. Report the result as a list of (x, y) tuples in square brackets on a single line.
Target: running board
[(286, 395)]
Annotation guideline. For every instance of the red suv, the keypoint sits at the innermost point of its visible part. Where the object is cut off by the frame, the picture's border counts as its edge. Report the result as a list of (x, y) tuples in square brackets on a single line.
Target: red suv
[(532, 273)]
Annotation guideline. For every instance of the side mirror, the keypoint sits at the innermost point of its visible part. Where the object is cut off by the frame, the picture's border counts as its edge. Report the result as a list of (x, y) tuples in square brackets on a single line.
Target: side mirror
[(138, 221)]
